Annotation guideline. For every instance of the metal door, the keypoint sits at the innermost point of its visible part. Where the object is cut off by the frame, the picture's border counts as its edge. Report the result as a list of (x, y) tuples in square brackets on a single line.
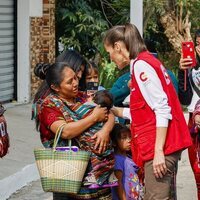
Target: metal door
[(7, 49)]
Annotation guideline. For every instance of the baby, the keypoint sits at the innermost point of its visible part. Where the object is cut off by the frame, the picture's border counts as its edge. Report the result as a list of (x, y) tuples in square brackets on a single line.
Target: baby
[(102, 164)]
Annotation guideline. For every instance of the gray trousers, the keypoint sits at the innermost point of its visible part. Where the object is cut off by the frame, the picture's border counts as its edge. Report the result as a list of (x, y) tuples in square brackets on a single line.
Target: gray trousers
[(162, 188)]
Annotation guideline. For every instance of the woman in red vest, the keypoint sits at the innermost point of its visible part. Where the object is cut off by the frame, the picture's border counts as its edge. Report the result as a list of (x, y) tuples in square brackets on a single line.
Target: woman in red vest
[(159, 130)]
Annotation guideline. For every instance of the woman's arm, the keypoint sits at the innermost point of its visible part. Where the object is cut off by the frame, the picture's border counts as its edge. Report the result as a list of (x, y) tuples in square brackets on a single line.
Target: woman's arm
[(122, 112), (74, 129), (159, 166), (120, 188), (184, 93), (117, 111)]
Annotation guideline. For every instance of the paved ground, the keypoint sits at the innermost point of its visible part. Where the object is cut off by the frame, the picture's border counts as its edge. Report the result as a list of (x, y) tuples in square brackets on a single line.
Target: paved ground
[(185, 185), (31, 192), (18, 168)]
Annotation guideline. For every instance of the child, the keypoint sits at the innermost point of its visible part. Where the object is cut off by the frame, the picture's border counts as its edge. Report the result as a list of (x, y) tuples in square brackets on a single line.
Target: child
[(92, 74), (130, 186), (102, 164)]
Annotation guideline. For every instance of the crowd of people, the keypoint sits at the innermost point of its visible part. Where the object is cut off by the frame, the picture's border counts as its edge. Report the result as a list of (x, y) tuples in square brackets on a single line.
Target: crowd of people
[(134, 156)]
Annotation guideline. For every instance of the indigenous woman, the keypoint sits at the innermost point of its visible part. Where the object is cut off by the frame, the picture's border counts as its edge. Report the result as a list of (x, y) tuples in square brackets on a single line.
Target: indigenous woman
[(63, 84)]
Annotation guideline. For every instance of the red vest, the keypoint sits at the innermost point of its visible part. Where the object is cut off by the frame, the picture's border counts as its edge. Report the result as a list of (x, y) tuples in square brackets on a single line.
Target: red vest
[(143, 125)]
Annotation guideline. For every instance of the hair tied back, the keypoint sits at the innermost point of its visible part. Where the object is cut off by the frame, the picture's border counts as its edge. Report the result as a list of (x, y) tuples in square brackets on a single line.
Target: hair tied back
[(41, 69)]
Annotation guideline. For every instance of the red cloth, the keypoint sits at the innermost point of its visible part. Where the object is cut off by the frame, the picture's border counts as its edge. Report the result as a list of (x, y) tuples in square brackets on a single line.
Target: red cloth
[(194, 150), (50, 113), (144, 120)]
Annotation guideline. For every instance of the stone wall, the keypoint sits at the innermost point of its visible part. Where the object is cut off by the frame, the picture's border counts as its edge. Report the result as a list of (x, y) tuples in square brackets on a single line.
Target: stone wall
[(42, 44)]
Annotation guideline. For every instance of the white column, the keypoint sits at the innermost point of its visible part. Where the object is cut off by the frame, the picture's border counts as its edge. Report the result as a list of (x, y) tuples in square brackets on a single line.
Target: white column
[(25, 9), (23, 51), (136, 14)]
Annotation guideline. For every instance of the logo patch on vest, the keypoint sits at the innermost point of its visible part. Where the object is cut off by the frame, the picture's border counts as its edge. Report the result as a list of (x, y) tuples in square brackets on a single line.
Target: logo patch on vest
[(143, 77)]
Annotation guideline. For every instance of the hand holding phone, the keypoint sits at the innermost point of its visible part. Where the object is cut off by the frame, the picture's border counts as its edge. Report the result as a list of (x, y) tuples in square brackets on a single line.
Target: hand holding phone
[(189, 53), (91, 88)]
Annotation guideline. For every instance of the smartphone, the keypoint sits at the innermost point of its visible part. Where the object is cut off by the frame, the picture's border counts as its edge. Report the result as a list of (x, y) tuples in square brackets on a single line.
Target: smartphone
[(188, 52), (92, 86)]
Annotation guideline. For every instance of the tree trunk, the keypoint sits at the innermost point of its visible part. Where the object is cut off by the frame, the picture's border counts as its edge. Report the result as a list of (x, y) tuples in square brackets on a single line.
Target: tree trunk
[(175, 34)]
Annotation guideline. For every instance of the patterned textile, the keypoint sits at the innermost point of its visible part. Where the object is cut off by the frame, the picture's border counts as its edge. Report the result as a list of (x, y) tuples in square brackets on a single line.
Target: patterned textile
[(102, 164), (51, 112), (37, 103), (93, 194)]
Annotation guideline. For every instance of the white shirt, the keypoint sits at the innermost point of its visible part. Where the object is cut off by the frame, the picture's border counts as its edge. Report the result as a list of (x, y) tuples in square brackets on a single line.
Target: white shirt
[(195, 97), (152, 91)]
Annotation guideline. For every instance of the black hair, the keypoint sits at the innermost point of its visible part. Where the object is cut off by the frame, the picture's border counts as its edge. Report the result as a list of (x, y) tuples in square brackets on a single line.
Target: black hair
[(104, 99), (41, 69), (75, 61), (196, 34), (117, 131), (54, 74), (73, 58)]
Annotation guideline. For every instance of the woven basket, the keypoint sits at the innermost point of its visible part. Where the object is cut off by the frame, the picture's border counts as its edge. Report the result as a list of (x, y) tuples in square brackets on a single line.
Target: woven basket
[(61, 171)]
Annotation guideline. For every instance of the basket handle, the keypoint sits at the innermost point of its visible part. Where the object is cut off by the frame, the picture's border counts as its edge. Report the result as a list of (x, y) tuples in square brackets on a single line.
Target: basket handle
[(57, 137), (70, 143), (58, 134)]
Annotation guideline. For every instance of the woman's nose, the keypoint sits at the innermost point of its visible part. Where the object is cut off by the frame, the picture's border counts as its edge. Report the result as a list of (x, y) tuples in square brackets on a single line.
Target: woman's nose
[(76, 81)]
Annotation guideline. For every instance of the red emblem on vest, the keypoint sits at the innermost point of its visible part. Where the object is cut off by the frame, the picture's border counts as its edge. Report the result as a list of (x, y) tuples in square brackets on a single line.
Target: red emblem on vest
[(143, 77)]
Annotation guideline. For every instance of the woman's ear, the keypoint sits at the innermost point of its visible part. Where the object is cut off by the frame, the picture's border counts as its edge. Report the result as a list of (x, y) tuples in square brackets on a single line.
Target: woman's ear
[(117, 46), (54, 88)]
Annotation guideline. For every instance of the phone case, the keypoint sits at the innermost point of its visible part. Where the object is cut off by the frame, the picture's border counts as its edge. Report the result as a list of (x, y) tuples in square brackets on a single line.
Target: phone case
[(188, 52), (92, 86)]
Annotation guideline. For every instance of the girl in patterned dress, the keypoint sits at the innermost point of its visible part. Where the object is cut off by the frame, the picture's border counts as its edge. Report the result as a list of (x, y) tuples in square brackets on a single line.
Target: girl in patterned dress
[(130, 185)]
